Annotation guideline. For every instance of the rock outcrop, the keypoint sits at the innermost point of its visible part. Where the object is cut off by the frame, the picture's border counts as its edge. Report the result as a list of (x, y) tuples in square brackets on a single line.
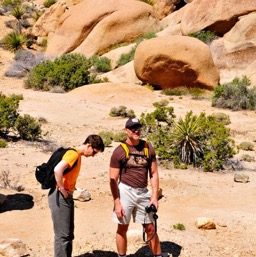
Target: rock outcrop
[(216, 15), (94, 27)]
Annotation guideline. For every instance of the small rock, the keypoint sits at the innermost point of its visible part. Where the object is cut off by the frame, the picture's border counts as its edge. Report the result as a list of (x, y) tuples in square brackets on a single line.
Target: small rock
[(205, 223), (82, 195), (241, 177)]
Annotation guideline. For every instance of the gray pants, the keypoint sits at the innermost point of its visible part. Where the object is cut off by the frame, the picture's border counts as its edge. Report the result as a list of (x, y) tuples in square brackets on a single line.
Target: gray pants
[(62, 211)]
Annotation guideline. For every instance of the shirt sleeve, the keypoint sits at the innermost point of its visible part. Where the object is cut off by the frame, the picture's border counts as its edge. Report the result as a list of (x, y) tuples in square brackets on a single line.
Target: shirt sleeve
[(70, 157)]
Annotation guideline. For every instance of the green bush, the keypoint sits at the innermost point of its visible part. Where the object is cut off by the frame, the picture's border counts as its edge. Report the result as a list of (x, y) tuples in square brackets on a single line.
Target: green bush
[(201, 141), (107, 137), (28, 127), (121, 111), (12, 3), (222, 117), (196, 93), (68, 71), (247, 158), (8, 112), (17, 12), (49, 3), (14, 41), (25, 126), (235, 95), (246, 146), (3, 143), (119, 137), (102, 64), (205, 36), (125, 58), (179, 226)]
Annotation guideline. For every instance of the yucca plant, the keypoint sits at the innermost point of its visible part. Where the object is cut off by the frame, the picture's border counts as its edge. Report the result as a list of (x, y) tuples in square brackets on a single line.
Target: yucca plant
[(17, 12), (185, 138), (14, 41)]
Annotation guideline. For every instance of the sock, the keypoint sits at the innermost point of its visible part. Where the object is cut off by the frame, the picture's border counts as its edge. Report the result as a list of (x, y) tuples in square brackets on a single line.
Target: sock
[(119, 255)]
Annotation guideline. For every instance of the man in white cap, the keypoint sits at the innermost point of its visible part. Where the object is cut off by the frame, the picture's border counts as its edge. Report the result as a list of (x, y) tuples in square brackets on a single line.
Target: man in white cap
[(131, 196)]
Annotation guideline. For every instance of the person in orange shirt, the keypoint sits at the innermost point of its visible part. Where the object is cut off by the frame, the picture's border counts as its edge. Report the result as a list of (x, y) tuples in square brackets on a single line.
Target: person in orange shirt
[(60, 198)]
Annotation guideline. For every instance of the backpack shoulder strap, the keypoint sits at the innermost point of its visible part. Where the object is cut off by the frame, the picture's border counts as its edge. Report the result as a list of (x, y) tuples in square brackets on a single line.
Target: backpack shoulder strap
[(146, 149), (126, 149)]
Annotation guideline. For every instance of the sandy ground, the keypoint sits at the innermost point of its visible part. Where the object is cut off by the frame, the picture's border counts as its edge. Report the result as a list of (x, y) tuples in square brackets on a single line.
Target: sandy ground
[(187, 194)]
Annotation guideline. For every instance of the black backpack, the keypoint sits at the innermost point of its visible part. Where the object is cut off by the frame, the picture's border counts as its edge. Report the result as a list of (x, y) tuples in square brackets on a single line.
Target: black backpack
[(45, 172)]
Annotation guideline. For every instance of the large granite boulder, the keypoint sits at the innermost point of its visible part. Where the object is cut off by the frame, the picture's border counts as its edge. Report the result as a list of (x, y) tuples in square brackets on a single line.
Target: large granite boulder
[(94, 27), (236, 51), (215, 15), (169, 62)]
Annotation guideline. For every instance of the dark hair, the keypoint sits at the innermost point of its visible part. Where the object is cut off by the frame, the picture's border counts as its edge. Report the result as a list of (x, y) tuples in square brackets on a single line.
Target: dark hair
[(95, 141)]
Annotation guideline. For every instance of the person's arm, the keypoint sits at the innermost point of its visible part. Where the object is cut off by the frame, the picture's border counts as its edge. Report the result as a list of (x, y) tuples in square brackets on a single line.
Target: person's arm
[(154, 184), (58, 172), (114, 176)]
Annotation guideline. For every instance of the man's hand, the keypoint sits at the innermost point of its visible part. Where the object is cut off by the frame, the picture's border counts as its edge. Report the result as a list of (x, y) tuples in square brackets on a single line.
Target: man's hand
[(64, 192), (119, 210)]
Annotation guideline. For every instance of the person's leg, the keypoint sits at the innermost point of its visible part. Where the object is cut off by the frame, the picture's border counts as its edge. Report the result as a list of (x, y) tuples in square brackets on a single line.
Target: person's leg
[(63, 224), (66, 220), (55, 218), (121, 239), (154, 243)]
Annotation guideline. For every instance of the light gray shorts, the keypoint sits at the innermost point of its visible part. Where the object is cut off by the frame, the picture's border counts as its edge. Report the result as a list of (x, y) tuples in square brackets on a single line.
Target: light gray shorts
[(134, 201)]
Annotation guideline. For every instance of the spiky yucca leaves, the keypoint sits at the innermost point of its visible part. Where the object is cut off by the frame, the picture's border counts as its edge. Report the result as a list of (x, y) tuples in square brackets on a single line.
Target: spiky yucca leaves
[(14, 41), (17, 12), (185, 138)]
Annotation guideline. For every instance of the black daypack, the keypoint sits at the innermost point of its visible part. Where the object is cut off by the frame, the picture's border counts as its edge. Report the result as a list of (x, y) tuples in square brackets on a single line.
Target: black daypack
[(45, 172)]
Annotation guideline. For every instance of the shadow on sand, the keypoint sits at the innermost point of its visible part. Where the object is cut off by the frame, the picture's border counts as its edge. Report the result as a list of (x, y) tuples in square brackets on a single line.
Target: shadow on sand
[(17, 202), (168, 249)]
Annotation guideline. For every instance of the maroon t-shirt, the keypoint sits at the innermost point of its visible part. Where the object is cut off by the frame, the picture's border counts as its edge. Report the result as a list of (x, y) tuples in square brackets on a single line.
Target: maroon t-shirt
[(135, 172)]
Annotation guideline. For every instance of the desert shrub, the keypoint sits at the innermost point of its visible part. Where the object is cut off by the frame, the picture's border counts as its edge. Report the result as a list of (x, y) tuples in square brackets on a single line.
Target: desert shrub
[(49, 3), (161, 103), (10, 121), (196, 93), (246, 146), (102, 64), (8, 112), (179, 226), (14, 41), (121, 111), (119, 137), (107, 137), (3, 143), (10, 183), (222, 117), (17, 12), (205, 36), (68, 71), (150, 2), (247, 158), (24, 62), (200, 141), (235, 95), (125, 58), (11, 3), (28, 127)]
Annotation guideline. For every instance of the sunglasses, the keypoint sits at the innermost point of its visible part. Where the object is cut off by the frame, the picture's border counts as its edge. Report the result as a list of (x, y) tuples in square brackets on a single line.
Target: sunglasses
[(94, 152), (135, 129)]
